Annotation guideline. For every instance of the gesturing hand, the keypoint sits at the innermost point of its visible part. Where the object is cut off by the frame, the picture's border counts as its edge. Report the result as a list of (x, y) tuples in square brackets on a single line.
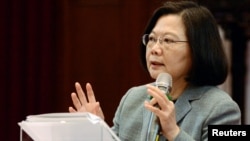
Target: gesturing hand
[(83, 104)]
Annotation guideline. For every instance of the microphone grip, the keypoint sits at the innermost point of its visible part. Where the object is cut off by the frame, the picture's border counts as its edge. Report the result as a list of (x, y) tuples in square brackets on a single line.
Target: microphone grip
[(154, 128)]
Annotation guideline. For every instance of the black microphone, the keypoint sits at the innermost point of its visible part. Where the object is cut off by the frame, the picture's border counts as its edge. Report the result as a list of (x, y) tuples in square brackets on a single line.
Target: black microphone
[(164, 83)]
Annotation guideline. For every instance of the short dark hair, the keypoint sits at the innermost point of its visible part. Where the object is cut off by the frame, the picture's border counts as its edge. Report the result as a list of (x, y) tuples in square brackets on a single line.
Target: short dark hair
[(209, 63)]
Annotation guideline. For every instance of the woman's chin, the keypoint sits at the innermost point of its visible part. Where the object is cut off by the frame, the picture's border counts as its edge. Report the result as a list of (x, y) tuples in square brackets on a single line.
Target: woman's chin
[(155, 73)]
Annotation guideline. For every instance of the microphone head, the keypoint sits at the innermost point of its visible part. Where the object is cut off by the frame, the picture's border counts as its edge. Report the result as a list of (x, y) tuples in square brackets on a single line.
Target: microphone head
[(164, 82)]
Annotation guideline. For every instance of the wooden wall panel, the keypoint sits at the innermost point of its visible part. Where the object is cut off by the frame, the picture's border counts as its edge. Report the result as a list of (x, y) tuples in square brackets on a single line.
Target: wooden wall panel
[(100, 42)]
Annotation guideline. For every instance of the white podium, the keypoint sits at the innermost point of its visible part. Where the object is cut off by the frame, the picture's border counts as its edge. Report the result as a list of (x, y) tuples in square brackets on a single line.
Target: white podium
[(66, 127)]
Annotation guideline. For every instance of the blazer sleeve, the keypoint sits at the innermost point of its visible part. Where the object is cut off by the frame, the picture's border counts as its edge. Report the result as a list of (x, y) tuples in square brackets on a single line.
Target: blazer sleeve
[(116, 119)]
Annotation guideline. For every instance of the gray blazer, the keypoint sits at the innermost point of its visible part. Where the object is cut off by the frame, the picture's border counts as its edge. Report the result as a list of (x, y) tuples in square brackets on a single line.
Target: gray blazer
[(197, 108)]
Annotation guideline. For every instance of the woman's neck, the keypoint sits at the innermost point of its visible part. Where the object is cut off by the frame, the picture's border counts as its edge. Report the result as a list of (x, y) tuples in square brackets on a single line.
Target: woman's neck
[(178, 89)]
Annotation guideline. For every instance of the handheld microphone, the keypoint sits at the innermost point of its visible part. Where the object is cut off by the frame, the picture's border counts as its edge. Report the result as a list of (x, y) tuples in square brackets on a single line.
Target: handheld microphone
[(164, 83)]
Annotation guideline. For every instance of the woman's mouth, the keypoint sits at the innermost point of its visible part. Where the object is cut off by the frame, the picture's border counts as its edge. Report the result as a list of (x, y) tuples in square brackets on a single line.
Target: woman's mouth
[(156, 64)]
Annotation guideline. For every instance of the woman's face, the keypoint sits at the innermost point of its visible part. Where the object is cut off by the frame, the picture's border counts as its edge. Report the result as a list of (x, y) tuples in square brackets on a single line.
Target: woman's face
[(165, 55)]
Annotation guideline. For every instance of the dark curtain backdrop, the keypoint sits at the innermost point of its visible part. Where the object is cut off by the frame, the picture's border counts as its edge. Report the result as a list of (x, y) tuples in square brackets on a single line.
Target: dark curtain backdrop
[(28, 62), (48, 45)]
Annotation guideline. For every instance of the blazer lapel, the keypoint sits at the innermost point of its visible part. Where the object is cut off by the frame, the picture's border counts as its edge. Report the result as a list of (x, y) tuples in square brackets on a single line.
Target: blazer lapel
[(182, 105)]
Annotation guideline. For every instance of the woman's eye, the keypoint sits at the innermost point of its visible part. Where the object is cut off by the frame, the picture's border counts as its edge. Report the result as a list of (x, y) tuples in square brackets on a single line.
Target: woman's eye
[(151, 38), (166, 40)]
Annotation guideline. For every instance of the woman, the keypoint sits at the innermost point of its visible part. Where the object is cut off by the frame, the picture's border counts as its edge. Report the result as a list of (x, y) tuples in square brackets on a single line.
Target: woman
[(181, 39)]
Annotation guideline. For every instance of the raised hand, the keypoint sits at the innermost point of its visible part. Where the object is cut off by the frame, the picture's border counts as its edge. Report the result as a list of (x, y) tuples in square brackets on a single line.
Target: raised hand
[(83, 103)]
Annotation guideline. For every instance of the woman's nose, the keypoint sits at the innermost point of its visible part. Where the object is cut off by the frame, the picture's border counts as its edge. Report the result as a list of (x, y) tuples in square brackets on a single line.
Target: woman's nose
[(156, 48)]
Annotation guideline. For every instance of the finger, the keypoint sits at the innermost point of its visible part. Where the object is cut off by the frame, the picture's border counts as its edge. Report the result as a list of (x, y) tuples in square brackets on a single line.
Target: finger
[(151, 108), (168, 106), (99, 111), (80, 93), (76, 101), (72, 110), (90, 93), (155, 89), (159, 100), (159, 92), (155, 94), (153, 100)]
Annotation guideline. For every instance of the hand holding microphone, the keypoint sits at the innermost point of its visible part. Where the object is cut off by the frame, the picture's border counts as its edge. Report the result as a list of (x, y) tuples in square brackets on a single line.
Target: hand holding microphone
[(162, 119)]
